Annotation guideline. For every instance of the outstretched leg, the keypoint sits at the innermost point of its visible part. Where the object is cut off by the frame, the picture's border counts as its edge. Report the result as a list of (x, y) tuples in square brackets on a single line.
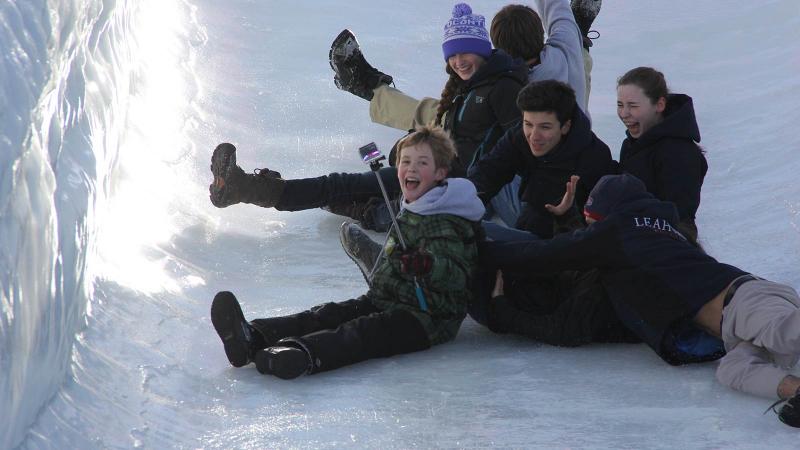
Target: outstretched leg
[(243, 339), (377, 335), (321, 317), (307, 193)]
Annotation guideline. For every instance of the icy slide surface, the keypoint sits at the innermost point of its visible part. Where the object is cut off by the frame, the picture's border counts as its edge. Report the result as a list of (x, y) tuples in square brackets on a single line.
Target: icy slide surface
[(110, 251)]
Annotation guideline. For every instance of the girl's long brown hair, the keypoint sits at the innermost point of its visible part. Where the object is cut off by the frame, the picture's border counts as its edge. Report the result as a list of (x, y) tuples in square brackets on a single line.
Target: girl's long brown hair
[(449, 93)]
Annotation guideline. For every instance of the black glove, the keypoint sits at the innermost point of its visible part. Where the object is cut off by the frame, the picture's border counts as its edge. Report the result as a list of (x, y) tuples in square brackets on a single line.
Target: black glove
[(416, 262)]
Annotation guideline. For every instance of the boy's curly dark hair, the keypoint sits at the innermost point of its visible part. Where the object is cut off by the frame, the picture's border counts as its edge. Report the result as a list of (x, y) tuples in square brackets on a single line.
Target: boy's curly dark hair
[(548, 96)]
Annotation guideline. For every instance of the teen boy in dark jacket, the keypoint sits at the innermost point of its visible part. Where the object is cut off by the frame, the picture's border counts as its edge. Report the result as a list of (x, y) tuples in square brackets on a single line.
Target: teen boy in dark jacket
[(553, 142), (552, 145), (656, 279)]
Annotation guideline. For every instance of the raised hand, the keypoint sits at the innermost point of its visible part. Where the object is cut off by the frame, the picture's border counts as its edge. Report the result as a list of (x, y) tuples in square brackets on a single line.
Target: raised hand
[(568, 200)]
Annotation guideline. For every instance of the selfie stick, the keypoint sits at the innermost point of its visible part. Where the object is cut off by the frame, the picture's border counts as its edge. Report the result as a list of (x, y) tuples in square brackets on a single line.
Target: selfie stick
[(375, 165)]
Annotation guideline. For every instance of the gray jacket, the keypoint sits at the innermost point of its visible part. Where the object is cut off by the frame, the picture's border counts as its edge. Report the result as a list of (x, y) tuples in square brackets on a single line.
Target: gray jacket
[(562, 56)]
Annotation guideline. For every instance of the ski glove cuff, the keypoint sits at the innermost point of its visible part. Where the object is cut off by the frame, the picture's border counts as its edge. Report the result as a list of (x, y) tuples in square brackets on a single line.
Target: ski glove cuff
[(416, 262)]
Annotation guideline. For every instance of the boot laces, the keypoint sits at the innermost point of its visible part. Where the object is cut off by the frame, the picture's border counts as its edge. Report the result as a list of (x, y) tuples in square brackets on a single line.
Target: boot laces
[(587, 40), (363, 72), (788, 414), (772, 406), (266, 173)]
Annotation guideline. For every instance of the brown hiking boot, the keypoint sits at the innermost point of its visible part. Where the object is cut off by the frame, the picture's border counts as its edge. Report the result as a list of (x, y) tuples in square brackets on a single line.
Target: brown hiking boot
[(232, 185)]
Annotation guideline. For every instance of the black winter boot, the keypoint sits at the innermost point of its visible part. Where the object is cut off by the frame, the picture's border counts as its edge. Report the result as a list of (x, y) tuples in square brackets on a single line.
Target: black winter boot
[(283, 362), (360, 248), (353, 73), (790, 412), (585, 11), (232, 185), (240, 339)]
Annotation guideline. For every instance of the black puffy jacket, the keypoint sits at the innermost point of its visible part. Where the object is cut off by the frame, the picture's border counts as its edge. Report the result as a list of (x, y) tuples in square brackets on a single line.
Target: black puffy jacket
[(485, 107), (544, 179), (668, 160)]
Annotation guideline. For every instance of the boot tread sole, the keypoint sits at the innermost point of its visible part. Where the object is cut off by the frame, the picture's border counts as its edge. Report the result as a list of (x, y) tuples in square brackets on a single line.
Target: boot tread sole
[(227, 318), (339, 47), (343, 230), (221, 160)]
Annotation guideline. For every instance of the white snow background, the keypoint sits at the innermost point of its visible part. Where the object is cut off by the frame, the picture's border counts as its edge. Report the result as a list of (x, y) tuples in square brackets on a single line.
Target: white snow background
[(110, 251)]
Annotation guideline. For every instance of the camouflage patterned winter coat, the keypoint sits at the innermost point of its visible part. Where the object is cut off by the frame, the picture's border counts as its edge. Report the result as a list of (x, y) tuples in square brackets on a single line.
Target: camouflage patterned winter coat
[(451, 240), (452, 243)]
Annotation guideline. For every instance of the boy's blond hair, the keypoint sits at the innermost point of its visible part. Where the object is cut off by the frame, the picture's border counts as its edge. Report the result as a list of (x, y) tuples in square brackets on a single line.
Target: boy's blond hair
[(442, 147)]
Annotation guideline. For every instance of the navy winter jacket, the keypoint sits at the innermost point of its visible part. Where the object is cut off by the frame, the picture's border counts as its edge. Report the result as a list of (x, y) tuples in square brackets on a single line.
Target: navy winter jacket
[(656, 280), (544, 179), (668, 160)]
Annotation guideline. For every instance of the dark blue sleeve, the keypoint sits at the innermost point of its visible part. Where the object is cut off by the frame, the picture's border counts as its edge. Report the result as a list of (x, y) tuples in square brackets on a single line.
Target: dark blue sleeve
[(497, 168), (596, 246)]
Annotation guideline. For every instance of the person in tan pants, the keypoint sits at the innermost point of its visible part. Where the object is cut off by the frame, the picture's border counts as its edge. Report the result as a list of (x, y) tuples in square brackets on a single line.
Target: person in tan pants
[(519, 31), (687, 306)]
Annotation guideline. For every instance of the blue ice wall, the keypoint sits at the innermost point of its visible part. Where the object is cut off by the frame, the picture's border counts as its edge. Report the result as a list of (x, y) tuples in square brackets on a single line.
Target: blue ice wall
[(67, 69)]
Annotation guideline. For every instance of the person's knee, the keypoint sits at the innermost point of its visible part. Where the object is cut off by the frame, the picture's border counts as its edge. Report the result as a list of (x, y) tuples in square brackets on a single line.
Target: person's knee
[(734, 367), (727, 374), (407, 332)]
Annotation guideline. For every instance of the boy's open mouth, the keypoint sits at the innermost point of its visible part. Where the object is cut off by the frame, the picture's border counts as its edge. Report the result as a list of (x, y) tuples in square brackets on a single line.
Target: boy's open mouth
[(411, 182)]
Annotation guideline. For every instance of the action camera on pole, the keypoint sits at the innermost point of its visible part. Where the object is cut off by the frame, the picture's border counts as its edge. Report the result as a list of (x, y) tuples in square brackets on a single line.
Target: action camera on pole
[(370, 153)]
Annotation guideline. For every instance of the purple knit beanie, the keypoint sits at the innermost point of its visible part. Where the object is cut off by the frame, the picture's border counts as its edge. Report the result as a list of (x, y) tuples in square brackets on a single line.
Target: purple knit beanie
[(466, 33)]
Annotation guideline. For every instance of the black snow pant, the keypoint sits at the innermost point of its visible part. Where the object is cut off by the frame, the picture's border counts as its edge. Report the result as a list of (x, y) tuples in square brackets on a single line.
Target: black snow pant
[(307, 193), (344, 333), (568, 310), (356, 195)]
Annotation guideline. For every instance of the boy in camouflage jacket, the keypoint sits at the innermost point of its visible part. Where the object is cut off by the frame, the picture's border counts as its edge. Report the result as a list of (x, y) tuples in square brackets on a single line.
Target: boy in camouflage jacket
[(419, 294)]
